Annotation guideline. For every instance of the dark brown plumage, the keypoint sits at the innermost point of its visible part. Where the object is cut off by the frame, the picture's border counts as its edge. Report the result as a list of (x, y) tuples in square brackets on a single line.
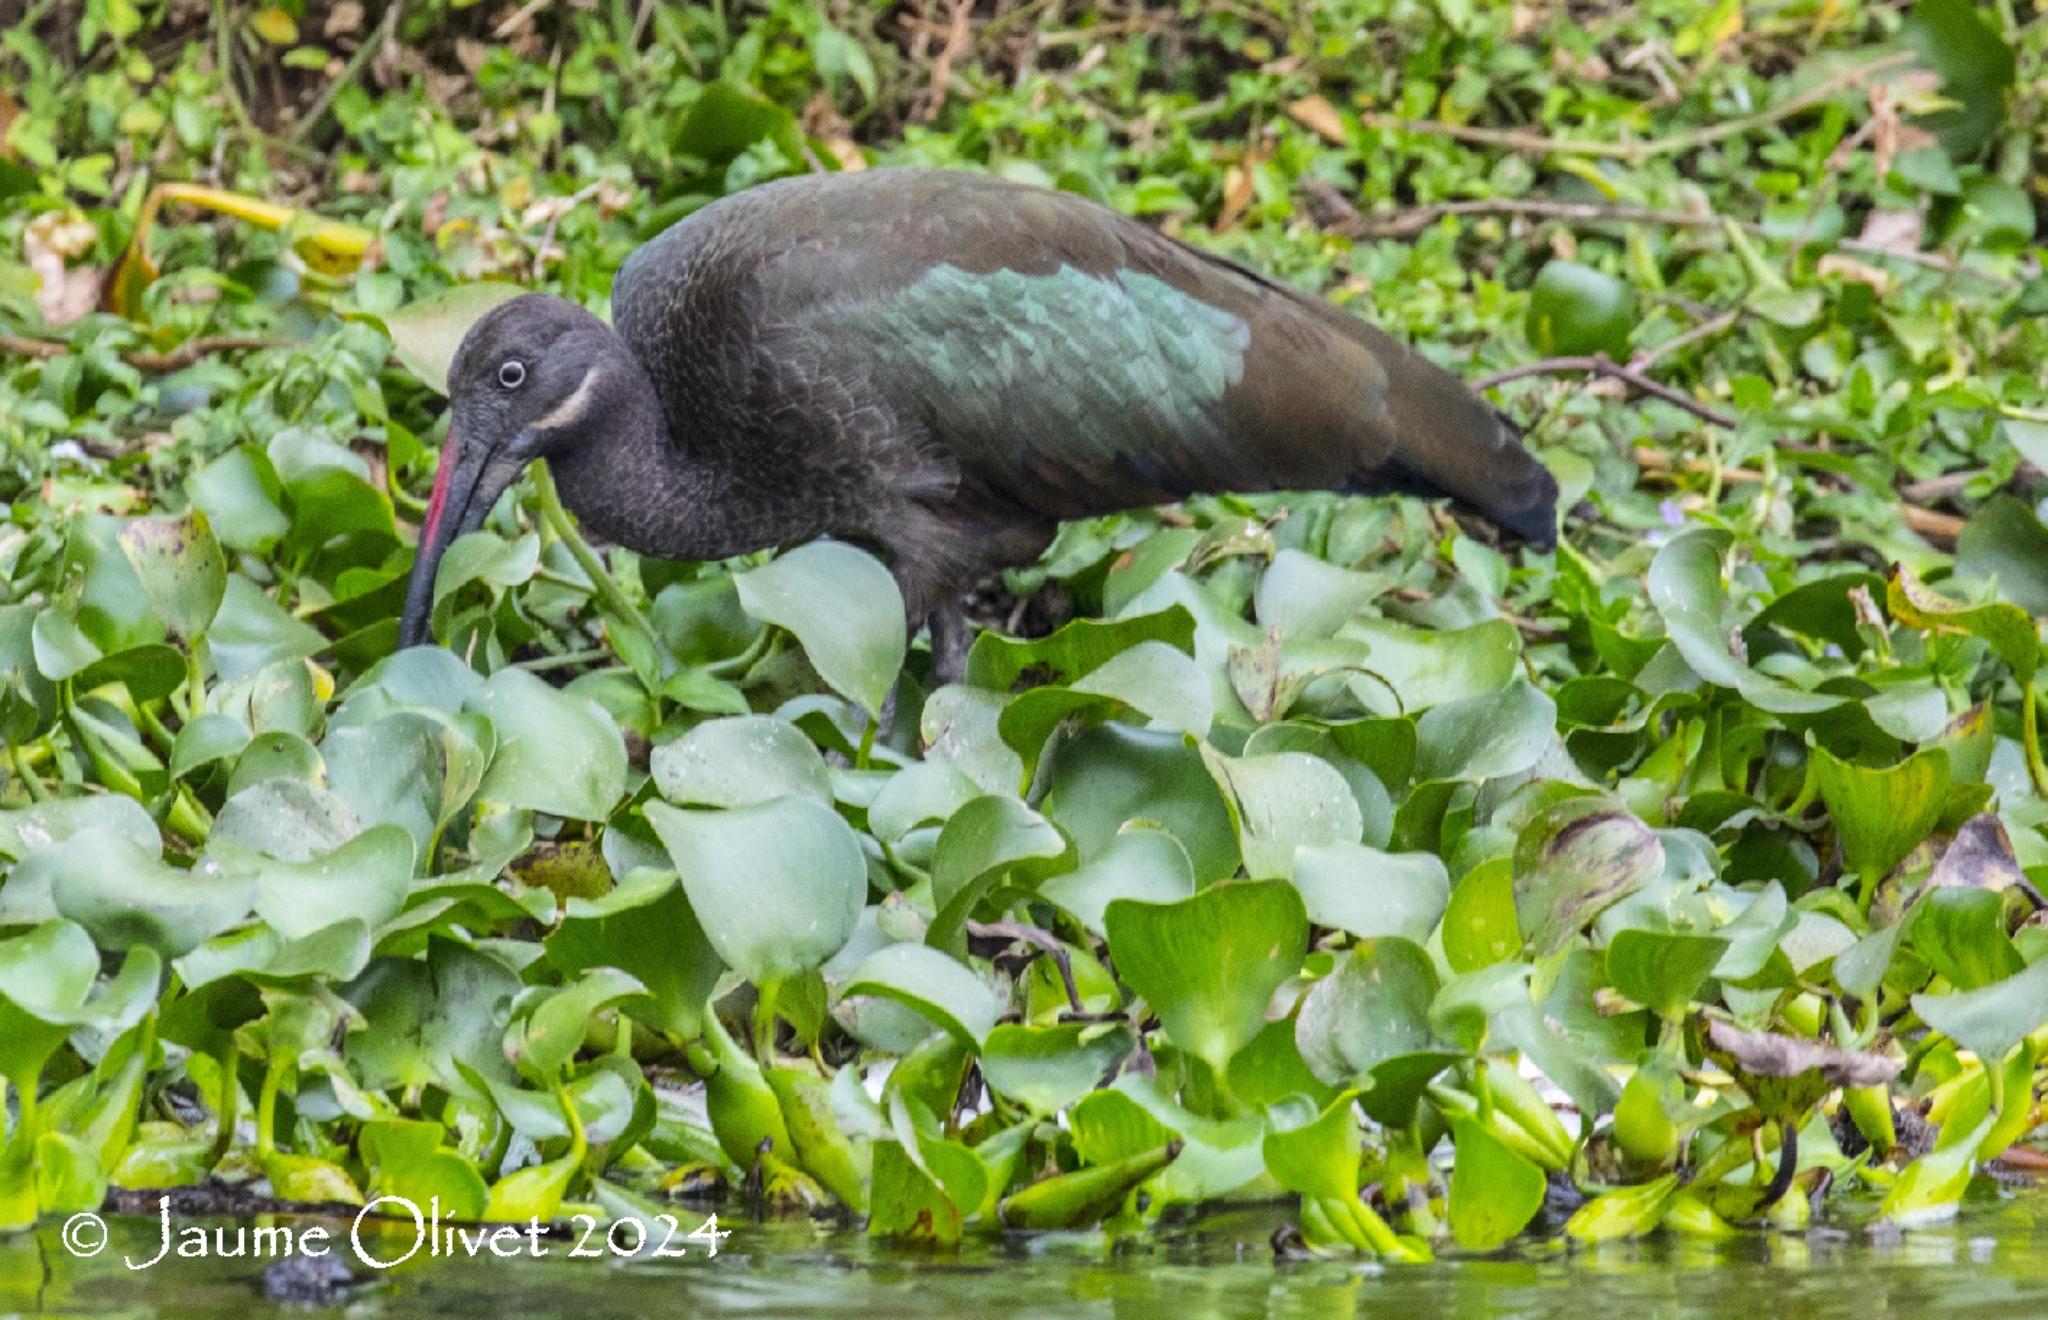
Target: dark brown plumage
[(942, 366)]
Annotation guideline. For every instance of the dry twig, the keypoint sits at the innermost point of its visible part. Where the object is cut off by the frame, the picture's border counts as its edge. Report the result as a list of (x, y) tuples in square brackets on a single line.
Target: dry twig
[(1340, 216), (1518, 140), (1704, 330), (1657, 463), (1404, 224), (177, 359), (1599, 364), (958, 36), (350, 72)]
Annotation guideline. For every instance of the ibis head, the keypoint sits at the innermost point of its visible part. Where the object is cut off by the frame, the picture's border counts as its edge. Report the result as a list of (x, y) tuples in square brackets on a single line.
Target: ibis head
[(529, 380)]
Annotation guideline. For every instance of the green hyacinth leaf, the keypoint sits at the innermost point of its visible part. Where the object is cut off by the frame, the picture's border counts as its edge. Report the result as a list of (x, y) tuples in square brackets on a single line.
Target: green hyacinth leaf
[(845, 611)]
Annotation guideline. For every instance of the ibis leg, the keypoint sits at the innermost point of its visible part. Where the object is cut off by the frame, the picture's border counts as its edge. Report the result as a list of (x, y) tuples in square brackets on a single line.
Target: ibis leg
[(951, 637)]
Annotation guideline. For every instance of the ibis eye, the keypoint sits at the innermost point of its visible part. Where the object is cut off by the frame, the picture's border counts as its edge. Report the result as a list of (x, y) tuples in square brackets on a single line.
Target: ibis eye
[(512, 374)]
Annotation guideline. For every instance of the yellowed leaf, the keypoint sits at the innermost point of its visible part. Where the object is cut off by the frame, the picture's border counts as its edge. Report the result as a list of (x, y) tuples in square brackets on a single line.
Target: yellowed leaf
[(330, 246), (90, 496), (275, 26), (1728, 26), (1319, 116), (1706, 34)]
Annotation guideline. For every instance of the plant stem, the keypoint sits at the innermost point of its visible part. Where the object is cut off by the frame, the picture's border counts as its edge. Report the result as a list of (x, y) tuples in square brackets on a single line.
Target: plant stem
[(602, 586), (2030, 737), (562, 661), (266, 1108), (579, 1141), (25, 1109), (356, 63), (737, 665), (226, 1106), (37, 12), (188, 819), (223, 60), (867, 743), (17, 763), (764, 1022)]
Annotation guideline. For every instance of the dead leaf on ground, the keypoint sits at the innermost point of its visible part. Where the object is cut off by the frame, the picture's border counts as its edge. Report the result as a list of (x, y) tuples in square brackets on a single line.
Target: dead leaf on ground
[(1318, 115), (1588, 67), (822, 120), (344, 18), (1237, 195), (1899, 231), (63, 293)]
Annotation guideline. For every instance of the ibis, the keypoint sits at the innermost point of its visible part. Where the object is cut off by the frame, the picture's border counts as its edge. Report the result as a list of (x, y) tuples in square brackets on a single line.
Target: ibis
[(940, 367)]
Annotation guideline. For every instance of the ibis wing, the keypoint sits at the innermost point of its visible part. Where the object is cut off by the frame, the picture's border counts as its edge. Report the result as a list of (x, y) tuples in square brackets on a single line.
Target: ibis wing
[(1071, 361)]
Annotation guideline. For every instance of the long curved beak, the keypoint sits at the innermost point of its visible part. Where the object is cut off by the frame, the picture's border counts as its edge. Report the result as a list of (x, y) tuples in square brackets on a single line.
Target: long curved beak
[(466, 486)]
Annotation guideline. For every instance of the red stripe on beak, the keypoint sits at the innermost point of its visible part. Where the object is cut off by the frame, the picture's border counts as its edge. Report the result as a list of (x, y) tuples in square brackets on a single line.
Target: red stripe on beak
[(449, 449)]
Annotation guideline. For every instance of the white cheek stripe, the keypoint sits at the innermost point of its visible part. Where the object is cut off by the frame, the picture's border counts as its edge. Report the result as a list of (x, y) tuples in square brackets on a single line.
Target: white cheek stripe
[(570, 410)]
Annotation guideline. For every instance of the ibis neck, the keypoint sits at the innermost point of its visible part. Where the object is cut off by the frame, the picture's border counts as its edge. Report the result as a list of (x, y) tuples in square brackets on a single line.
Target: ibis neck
[(631, 484)]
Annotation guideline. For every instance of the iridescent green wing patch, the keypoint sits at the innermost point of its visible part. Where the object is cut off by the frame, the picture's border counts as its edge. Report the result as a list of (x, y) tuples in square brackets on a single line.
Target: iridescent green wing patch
[(1094, 373)]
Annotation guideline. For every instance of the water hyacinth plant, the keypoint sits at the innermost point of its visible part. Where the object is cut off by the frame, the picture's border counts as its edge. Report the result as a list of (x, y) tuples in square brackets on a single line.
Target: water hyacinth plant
[(1307, 848)]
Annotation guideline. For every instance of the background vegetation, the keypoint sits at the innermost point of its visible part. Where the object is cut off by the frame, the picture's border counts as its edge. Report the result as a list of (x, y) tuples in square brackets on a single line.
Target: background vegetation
[(1321, 829)]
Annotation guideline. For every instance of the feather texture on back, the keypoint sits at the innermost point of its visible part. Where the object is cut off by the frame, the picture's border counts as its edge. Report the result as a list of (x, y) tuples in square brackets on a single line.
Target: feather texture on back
[(949, 363)]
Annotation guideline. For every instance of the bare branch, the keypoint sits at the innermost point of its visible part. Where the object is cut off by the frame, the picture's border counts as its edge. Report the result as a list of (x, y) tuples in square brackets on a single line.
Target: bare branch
[(1518, 140), (1402, 224), (177, 359), (1336, 214), (1599, 364), (1704, 330)]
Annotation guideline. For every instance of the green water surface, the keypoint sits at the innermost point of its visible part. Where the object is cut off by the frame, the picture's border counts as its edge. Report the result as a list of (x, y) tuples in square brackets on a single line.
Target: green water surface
[(1992, 1261)]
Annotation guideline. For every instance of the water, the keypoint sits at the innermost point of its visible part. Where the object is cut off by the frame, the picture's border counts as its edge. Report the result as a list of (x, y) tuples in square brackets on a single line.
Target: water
[(1993, 1261)]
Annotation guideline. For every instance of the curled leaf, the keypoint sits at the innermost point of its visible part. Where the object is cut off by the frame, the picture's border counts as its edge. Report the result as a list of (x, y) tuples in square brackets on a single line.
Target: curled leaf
[(1768, 1054)]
